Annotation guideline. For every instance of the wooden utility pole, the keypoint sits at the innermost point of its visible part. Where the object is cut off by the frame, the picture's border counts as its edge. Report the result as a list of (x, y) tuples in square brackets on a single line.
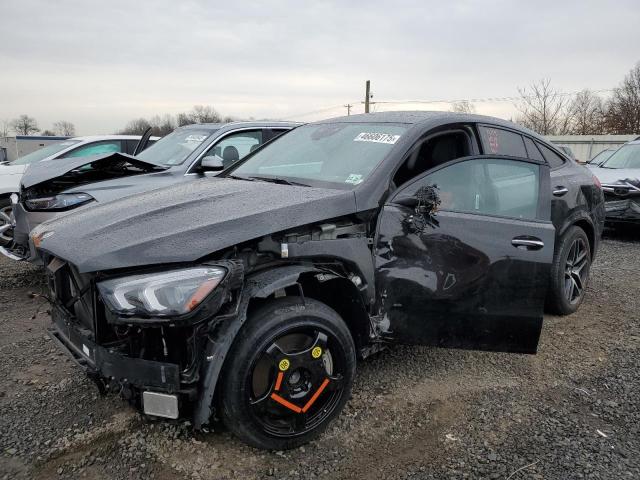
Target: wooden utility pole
[(367, 96), (348, 107)]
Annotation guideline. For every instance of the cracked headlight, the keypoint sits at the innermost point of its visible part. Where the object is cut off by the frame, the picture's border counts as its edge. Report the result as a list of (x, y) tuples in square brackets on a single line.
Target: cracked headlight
[(61, 201), (161, 294)]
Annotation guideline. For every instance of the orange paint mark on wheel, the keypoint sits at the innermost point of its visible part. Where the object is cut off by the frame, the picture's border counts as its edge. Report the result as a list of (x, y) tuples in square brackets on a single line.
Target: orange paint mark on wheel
[(279, 381), (285, 403), (315, 395)]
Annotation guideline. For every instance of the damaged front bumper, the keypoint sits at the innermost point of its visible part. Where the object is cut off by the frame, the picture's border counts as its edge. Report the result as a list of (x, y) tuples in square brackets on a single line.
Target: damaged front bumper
[(622, 210), (164, 367), (112, 368)]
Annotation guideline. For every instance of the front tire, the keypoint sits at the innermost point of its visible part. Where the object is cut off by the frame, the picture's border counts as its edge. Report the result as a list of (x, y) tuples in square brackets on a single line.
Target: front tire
[(288, 374), (6, 237), (569, 272)]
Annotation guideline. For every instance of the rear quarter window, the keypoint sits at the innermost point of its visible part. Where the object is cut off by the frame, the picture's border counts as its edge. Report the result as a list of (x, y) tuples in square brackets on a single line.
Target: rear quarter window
[(532, 150), (553, 159), (497, 141)]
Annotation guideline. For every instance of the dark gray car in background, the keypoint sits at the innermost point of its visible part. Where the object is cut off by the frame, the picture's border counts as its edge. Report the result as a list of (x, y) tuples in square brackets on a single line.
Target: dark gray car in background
[(49, 190)]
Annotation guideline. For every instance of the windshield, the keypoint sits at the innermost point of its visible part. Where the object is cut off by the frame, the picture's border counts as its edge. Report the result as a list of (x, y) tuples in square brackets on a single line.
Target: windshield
[(175, 147), (601, 157), (44, 152), (341, 155), (627, 156)]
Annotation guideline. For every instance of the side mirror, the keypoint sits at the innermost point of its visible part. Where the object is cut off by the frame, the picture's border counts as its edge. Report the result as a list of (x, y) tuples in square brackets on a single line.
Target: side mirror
[(211, 163)]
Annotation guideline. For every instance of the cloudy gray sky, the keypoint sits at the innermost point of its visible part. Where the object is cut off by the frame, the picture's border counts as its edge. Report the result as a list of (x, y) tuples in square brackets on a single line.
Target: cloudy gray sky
[(100, 64)]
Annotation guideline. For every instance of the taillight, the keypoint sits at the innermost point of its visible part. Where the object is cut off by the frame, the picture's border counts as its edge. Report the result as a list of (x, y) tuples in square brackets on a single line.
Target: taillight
[(597, 181)]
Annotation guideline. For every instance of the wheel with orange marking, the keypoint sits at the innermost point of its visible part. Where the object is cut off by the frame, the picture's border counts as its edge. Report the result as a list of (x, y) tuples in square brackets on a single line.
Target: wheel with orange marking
[(288, 375)]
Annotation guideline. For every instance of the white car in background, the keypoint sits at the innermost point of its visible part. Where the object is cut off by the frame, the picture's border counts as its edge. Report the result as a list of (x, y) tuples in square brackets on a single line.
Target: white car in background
[(11, 173)]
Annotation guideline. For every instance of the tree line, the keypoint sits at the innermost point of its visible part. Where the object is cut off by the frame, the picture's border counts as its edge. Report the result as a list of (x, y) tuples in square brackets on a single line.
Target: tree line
[(26, 125), (163, 124), (540, 107), (548, 111)]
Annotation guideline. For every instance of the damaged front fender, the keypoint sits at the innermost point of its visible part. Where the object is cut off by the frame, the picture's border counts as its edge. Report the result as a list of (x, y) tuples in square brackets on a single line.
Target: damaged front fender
[(226, 326)]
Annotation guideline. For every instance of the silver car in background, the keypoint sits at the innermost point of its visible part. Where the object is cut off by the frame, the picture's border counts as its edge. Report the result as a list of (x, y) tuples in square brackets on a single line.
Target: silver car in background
[(184, 155), (11, 172)]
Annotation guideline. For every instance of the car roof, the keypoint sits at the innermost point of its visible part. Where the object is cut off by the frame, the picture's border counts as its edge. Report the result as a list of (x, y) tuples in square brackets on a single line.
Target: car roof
[(98, 138), (428, 118), (234, 125)]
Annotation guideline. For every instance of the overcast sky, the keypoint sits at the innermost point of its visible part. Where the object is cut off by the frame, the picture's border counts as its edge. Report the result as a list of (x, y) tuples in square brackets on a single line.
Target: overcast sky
[(100, 64)]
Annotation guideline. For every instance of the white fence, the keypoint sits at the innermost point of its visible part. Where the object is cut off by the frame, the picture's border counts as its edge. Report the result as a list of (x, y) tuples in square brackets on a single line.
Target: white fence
[(585, 147)]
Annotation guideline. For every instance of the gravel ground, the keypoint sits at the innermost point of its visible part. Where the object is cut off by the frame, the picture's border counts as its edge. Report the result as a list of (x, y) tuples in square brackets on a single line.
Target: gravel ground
[(572, 411)]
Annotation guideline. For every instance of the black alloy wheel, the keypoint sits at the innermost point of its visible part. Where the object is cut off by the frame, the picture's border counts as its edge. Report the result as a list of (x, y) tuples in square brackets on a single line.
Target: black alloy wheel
[(576, 271), (569, 272), (296, 383), (288, 374)]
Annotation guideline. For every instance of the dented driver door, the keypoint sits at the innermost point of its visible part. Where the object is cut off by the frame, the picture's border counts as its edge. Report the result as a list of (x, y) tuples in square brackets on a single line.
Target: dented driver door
[(463, 256)]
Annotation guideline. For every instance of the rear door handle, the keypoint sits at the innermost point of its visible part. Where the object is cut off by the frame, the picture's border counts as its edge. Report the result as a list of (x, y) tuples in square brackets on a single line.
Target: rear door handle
[(560, 191), (527, 243)]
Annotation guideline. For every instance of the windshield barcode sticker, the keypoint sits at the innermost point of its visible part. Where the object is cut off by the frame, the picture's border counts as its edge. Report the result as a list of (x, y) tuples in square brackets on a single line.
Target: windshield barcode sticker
[(377, 138)]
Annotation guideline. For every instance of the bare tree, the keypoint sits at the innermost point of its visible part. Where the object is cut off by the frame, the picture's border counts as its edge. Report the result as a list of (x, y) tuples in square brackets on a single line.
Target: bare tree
[(463, 106), (24, 125), (184, 119), (64, 128), (623, 109), (587, 114), (4, 128), (199, 114), (162, 126), (48, 133), (544, 109), (136, 127)]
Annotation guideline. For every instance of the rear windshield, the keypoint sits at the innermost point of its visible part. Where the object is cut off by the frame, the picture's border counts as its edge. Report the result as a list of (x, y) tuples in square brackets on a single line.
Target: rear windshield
[(175, 147), (627, 156), (44, 152), (340, 155)]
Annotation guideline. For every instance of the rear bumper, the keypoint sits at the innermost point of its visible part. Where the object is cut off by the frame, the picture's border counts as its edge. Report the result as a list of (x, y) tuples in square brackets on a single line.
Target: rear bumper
[(108, 365)]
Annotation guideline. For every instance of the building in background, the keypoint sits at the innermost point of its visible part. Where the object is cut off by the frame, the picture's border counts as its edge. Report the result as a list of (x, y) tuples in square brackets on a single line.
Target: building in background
[(585, 147), (15, 147)]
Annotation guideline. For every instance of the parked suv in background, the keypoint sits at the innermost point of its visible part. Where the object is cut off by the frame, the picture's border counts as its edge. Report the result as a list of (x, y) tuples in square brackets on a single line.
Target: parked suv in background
[(248, 296), (11, 173), (48, 191), (620, 178)]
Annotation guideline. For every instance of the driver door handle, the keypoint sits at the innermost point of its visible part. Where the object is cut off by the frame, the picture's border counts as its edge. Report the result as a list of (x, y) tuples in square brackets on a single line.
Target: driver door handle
[(560, 190), (527, 243)]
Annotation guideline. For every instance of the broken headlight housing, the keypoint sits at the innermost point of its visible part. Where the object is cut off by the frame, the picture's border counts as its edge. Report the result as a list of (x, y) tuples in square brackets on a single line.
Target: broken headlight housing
[(61, 201), (164, 294)]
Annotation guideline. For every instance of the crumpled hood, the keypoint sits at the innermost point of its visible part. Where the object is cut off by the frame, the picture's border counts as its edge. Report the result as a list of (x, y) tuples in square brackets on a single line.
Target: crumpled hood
[(39, 172), (109, 190), (185, 222), (617, 175), (12, 169), (10, 176)]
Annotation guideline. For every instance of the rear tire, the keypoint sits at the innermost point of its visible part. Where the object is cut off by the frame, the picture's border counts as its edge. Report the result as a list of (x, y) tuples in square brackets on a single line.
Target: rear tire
[(315, 381), (569, 272)]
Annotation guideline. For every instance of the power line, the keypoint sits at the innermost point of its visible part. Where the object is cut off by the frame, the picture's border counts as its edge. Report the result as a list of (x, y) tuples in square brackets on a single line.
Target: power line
[(486, 99), (350, 105)]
